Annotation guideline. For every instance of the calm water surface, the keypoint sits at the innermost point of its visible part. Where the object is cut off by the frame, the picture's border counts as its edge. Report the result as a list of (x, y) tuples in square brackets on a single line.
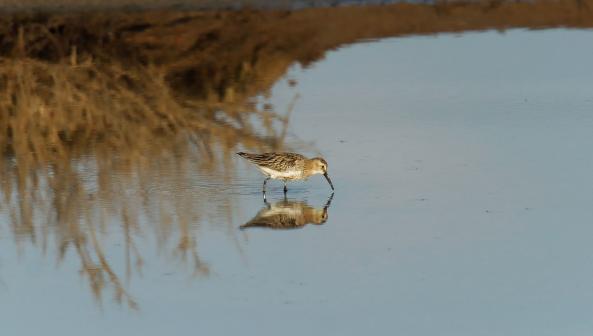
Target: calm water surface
[(462, 167)]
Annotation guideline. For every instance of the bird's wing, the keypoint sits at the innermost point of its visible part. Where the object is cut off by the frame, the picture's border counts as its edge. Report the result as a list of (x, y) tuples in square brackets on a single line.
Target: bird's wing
[(273, 160), (279, 221)]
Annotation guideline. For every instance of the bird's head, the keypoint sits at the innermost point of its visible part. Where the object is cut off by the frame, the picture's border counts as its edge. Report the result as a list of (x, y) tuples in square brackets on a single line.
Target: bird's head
[(316, 216), (319, 166)]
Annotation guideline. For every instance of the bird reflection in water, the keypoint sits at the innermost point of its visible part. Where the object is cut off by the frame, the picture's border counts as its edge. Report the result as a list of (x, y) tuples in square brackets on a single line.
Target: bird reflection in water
[(288, 214)]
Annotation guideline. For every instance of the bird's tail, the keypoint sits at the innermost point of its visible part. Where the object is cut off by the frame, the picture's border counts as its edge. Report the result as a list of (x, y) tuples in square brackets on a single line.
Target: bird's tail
[(253, 158), (246, 155)]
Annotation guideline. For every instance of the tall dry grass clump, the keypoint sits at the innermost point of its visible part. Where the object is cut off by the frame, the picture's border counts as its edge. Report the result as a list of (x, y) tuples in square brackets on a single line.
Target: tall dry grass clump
[(51, 112)]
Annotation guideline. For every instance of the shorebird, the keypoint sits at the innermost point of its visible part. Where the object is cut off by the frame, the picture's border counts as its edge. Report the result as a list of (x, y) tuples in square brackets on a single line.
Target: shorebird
[(287, 166), (288, 215)]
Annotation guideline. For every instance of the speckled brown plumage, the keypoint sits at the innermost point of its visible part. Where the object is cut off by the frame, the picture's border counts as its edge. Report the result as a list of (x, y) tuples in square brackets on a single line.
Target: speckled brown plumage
[(289, 215), (287, 166), (277, 161)]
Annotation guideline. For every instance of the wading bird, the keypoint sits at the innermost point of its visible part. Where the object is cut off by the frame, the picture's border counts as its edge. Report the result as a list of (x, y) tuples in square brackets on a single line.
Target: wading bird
[(287, 166)]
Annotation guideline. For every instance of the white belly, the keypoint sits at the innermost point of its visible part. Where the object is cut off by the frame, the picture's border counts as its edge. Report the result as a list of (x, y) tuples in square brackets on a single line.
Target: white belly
[(289, 174)]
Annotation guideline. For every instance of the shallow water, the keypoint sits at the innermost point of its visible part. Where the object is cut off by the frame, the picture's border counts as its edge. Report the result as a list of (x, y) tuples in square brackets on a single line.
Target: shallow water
[(462, 207)]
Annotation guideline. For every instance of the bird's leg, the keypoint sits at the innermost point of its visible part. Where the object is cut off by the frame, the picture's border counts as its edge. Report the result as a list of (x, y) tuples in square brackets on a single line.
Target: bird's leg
[(265, 200), (285, 189), (264, 187)]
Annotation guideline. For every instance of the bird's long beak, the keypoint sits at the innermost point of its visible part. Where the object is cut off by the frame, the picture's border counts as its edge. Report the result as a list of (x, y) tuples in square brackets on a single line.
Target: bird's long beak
[(328, 180), (329, 202)]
